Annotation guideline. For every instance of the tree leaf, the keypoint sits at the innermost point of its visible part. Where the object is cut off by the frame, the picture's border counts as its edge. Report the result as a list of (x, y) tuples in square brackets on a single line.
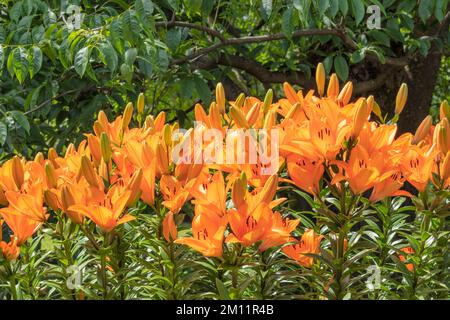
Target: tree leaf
[(82, 60), (286, 22), (144, 8), (343, 7), (20, 63), (108, 55), (425, 10), (341, 67), (358, 10), (3, 133), (21, 119), (130, 56), (266, 6), (34, 60)]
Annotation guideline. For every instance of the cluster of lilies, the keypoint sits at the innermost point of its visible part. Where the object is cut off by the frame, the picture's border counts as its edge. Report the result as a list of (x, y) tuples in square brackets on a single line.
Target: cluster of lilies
[(326, 140)]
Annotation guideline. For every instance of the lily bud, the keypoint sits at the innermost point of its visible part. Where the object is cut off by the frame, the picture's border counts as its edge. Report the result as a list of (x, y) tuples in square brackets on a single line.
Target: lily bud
[(238, 118), (269, 190), (88, 172), (220, 98), (103, 119), (270, 120), (333, 86), (445, 168), (50, 175), (346, 93), (376, 109), (370, 104), (52, 155), (402, 96), (161, 157), (127, 114), (293, 111), (444, 110), (269, 97), (135, 187), (67, 198), (105, 147), (98, 129), (94, 147), (39, 158), (140, 103), (239, 191), (160, 120), (51, 199), (360, 116), (17, 172), (169, 227), (167, 135), (423, 130), (200, 114), (320, 79), (214, 116), (290, 93), (239, 102), (443, 136), (253, 114)]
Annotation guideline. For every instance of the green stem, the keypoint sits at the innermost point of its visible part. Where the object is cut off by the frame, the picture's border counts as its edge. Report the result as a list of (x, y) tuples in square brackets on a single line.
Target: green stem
[(12, 280), (103, 265)]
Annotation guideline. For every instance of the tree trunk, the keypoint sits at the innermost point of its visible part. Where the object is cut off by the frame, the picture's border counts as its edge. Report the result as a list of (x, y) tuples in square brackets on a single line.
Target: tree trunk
[(421, 81)]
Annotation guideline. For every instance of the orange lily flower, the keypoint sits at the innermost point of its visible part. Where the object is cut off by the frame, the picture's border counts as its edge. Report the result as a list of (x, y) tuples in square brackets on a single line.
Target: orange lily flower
[(305, 173), (208, 233), (280, 232), (21, 226), (249, 226), (108, 214), (417, 166), (361, 171), (309, 243), (173, 192), (29, 204), (10, 251)]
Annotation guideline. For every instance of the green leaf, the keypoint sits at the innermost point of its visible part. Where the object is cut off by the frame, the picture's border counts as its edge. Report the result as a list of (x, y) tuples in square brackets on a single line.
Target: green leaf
[(286, 22), (341, 67), (130, 27), (20, 63), (34, 60), (116, 35), (380, 37), (266, 6), (173, 38), (21, 119), (108, 55), (357, 56), (127, 72), (144, 8), (425, 10), (82, 60), (358, 10), (3, 133), (223, 292), (343, 7), (322, 6), (2, 57), (202, 90), (130, 56)]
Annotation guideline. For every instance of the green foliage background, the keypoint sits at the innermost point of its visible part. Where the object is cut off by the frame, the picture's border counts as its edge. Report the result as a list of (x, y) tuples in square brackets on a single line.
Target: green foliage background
[(54, 77)]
